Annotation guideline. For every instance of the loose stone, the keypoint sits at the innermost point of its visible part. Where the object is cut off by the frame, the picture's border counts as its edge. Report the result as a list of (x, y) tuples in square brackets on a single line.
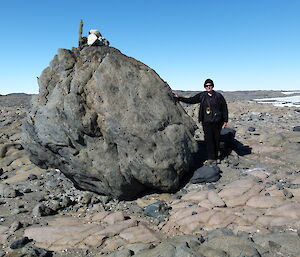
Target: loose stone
[(17, 244)]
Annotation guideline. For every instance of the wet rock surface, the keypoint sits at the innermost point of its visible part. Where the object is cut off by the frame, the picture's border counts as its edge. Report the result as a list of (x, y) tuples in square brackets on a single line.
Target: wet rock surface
[(252, 210)]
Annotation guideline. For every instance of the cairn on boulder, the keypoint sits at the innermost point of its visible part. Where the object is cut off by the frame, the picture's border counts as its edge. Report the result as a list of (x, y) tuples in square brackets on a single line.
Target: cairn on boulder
[(94, 38), (110, 124)]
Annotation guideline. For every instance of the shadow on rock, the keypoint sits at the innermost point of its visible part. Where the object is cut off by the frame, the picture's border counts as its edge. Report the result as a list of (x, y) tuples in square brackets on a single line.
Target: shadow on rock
[(212, 173), (229, 143), (241, 149)]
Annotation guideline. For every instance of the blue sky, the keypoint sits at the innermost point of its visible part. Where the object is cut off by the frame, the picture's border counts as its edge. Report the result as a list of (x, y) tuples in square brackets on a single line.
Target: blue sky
[(240, 44)]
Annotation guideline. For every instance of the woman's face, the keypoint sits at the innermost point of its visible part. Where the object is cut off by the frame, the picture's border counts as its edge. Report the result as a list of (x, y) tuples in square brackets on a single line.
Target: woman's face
[(209, 88)]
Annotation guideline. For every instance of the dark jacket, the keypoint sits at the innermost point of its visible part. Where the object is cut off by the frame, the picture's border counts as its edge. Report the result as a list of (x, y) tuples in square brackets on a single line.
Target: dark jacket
[(216, 103)]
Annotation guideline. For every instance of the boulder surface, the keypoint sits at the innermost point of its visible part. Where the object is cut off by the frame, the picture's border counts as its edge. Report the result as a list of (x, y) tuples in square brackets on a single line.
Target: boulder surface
[(109, 123)]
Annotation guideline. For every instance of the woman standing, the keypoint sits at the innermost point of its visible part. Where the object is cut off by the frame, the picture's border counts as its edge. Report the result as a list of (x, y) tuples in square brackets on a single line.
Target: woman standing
[(213, 114)]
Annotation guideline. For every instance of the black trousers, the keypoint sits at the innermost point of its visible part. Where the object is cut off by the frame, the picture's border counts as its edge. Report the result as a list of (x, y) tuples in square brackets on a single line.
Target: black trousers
[(212, 133)]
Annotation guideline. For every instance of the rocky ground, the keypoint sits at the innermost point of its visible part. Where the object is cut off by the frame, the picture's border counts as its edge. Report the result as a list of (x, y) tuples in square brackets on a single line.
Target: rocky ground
[(253, 210)]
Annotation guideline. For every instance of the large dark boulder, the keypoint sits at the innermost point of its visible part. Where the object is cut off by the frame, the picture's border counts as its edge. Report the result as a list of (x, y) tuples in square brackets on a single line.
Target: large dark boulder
[(109, 123)]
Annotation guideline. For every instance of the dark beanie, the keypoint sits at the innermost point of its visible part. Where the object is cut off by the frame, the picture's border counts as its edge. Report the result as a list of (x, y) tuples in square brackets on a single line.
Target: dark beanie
[(208, 81)]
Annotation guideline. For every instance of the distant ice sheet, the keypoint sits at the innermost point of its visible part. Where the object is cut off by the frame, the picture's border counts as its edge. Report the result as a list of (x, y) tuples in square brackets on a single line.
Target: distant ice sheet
[(290, 92), (288, 101)]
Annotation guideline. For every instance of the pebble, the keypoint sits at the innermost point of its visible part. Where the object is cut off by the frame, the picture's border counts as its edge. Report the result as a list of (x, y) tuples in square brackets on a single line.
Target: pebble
[(15, 226), (54, 205), (279, 187), (288, 193), (297, 128), (211, 187), (122, 253), (85, 198), (32, 177), (294, 186), (42, 210), (158, 210), (27, 190), (4, 176), (19, 243), (38, 183), (66, 201), (33, 251)]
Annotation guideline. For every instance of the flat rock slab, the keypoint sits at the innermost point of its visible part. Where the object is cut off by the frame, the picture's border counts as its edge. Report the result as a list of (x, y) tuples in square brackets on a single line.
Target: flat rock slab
[(195, 196), (175, 247), (140, 234), (241, 206), (236, 188), (242, 199), (233, 246), (265, 201), (215, 199), (91, 232), (63, 237), (290, 210), (285, 244), (270, 221)]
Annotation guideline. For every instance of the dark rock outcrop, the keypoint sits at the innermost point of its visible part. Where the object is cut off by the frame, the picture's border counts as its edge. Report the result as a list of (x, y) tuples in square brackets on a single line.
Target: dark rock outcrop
[(109, 123), (206, 174)]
